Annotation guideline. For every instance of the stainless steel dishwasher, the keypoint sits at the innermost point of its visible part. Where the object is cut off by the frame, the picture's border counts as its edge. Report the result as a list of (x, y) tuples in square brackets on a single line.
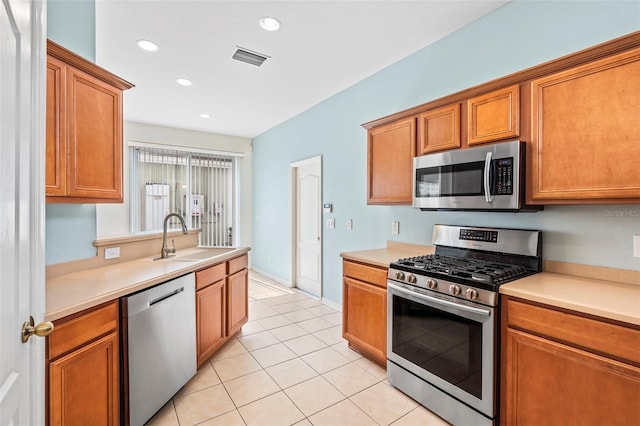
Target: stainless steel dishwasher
[(161, 344)]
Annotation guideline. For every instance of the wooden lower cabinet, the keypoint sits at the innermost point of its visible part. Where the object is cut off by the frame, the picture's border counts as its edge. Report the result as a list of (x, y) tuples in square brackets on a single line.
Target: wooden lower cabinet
[(222, 299), (364, 312), (237, 301), (83, 369), (210, 321), (562, 368)]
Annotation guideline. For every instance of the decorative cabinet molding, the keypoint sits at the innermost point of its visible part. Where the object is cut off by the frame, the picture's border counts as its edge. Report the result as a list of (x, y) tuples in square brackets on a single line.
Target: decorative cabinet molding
[(585, 133), (494, 116), (439, 129), (84, 130), (390, 153)]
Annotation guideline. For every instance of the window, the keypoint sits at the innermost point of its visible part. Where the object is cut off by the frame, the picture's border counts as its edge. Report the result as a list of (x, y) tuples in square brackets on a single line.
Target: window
[(198, 185)]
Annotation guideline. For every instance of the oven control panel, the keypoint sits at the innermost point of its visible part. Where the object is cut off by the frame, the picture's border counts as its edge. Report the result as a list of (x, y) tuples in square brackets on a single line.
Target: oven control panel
[(488, 236), (460, 291)]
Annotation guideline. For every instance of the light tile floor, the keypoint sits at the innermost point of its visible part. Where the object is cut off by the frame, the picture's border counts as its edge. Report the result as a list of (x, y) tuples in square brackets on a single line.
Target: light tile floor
[(290, 366)]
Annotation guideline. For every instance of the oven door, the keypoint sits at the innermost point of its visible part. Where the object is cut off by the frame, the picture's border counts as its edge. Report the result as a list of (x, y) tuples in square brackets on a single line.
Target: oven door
[(449, 343)]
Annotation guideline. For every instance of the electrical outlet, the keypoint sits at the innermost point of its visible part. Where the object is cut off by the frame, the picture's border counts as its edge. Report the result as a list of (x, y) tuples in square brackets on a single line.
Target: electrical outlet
[(636, 246), (111, 253), (395, 227), (349, 224), (331, 223)]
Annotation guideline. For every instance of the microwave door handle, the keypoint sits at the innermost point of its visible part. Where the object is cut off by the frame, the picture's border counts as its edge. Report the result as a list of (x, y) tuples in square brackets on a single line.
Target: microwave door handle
[(487, 178)]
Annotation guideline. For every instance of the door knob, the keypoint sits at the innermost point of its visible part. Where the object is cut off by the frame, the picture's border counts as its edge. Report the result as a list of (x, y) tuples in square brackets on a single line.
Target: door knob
[(28, 329)]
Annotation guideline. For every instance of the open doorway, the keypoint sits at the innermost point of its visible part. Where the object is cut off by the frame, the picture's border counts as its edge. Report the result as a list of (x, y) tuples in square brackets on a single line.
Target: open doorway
[(306, 225)]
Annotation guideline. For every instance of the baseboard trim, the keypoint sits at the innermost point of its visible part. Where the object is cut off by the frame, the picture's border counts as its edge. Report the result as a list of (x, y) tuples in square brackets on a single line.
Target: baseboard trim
[(272, 277)]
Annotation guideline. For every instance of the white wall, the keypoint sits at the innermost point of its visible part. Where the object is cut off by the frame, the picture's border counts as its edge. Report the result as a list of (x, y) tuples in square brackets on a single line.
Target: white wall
[(114, 219)]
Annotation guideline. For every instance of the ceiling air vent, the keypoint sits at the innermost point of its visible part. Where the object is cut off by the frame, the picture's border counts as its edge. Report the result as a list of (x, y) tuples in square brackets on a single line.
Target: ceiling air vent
[(245, 55)]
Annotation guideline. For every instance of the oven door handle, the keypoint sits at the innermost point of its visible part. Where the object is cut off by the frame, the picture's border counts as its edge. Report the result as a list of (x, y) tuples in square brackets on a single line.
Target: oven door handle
[(435, 300)]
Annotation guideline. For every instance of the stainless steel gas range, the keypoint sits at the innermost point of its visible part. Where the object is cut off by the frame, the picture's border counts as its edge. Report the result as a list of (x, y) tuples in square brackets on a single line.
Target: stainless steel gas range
[(443, 329)]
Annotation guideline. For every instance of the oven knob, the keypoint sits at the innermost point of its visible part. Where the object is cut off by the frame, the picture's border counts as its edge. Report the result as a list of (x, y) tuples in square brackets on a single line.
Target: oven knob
[(400, 276), (411, 279), (471, 294), (454, 289), (432, 284)]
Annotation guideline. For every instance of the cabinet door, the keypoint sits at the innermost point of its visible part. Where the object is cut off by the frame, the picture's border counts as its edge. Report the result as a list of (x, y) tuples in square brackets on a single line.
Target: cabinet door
[(84, 385), (237, 301), (439, 129), (553, 384), (364, 322), (494, 116), (585, 133), (390, 153), (94, 138), (210, 321), (56, 151)]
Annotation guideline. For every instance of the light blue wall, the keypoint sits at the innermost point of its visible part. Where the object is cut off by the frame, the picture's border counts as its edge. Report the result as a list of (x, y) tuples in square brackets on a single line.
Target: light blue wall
[(517, 36), (71, 228)]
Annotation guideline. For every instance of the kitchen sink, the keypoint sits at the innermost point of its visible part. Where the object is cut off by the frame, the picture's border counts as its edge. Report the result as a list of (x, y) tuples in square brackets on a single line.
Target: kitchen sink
[(205, 254), (197, 255)]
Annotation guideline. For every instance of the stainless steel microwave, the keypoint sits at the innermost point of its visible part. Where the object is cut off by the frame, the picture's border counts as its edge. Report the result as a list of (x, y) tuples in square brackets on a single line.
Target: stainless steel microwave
[(487, 177)]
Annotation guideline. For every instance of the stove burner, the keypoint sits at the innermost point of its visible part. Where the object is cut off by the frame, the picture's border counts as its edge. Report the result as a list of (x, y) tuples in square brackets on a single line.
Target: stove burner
[(465, 268)]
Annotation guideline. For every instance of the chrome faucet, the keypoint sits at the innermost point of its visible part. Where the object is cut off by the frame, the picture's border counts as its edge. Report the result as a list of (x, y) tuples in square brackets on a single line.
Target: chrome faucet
[(166, 251)]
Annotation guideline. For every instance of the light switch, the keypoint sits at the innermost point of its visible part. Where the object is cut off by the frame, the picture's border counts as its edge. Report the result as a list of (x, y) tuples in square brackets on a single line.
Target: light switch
[(331, 223), (349, 224)]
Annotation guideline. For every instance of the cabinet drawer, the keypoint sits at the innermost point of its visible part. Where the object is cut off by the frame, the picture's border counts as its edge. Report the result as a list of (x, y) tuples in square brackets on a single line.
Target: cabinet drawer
[(370, 274), (237, 264), (603, 337), (210, 275), (78, 330)]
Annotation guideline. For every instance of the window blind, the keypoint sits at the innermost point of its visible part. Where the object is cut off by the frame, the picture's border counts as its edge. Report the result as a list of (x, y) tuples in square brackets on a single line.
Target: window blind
[(198, 186)]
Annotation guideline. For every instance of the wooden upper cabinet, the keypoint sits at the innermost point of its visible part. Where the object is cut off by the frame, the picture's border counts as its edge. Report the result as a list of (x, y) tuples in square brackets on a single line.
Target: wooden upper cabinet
[(56, 150), (439, 129), (84, 130), (585, 135), (390, 153), (493, 116)]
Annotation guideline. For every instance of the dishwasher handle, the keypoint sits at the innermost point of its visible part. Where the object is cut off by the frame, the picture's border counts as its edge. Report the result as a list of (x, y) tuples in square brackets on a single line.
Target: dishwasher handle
[(166, 296)]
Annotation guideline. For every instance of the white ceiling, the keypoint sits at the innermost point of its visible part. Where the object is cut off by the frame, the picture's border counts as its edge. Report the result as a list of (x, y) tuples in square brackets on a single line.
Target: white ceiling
[(322, 48)]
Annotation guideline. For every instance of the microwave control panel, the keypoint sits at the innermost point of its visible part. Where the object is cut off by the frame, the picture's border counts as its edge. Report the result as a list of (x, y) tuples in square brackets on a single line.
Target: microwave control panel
[(504, 176)]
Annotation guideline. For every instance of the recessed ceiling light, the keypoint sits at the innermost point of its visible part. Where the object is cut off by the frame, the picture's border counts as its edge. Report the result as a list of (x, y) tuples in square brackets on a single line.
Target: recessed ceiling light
[(269, 23), (205, 116), (184, 82), (147, 45)]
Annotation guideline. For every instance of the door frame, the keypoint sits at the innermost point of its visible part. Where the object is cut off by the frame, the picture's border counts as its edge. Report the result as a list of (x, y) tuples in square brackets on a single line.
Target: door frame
[(30, 18), (294, 224)]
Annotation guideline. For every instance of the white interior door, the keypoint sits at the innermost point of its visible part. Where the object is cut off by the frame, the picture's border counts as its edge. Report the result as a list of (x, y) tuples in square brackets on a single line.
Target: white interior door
[(22, 120), (308, 226)]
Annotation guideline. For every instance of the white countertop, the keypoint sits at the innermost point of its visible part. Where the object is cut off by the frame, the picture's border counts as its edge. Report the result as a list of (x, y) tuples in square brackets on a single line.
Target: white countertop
[(77, 291)]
